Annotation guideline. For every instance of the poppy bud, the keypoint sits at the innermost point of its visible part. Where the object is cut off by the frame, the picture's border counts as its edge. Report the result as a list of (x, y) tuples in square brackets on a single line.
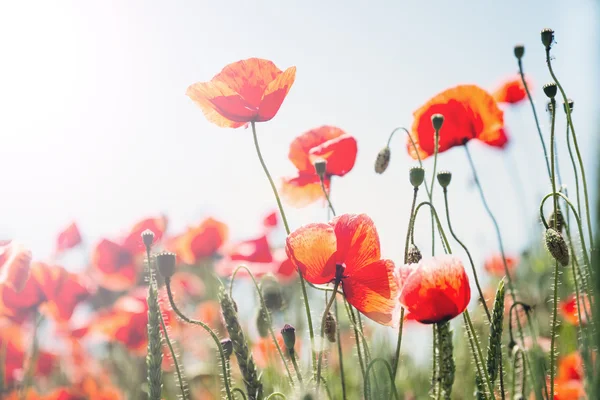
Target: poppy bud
[(550, 89), (557, 247), (288, 333), (166, 263), (570, 105), (437, 120), (383, 159), (148, 238), (227, 346), (320, 167), (272, 294), (519, 51), (557, 218), (262, 323), (414, 254), (547, 37), (416, 175), (444, 178), (330, 327)]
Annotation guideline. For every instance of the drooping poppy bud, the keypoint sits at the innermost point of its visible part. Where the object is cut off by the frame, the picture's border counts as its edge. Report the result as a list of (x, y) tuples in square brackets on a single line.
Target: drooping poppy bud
[(557, 247), (557, 219), (383, 160), (414, 254), (262, 323), (271, 291), (330, 327)]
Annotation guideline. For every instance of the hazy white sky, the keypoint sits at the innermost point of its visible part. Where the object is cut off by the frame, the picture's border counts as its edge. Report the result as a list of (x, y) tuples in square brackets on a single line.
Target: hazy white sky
[(95, 126)]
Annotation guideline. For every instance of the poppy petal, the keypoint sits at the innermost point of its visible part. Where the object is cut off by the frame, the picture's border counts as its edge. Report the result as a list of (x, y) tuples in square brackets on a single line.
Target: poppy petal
[(512, 90), (275, 93), (374, 292), (202, 93), (311, 248), (303, 190), (301, 146), (133, 241), (357, 241), (68, 238), (340, 154)]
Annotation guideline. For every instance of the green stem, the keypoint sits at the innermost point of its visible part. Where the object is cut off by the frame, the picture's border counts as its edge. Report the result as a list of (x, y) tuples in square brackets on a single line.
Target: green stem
[(486, 376), (579, 158), (389, 370), (340, 352), (296, 368), (537, 122), (430, 192), (267, 314), (327, 307), (207, 329), (435, 379), (357, 335), (326, 194), (173, 356), (287, 229), (240, 391), (443, 236), (575, 172), (276, 394)]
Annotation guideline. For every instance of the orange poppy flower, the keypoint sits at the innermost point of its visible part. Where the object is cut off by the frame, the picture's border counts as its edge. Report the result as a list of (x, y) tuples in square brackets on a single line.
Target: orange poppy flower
[(351, 241), (434, 290), (15, 261), (494, 265), (570, 367), (245, 91), (327, 143), (133, 241), (68, 238), (511, 91), (569, 390), (568, 309), (114, 266), (199, 242), (265, 352), (469, 113)]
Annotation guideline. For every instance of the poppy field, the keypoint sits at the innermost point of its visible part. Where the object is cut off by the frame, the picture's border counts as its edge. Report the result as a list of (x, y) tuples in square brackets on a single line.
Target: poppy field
[(317, 311)]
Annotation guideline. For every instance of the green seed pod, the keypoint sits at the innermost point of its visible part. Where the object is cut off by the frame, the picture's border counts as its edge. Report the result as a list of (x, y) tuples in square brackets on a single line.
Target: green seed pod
[(383, 160), (320, 167), (414, 254), (166, 263), (330, 327), (147, 238), (416, 175), (519, 51), (289, 336), (570, 103), (262, 323), (557, 247), (444, 178), (550, 89), (437, 120), (547, 36)]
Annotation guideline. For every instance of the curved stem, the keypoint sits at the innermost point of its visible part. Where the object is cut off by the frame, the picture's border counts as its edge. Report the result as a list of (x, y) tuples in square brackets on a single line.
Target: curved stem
[(276, 394), (579, 158), (327, 307), (240, 391), (207, 329), (487, 310), (389, 369), (287, 229), (486, 376), (553, 163), (575, 172), (414, 145), (537, 122), (267, 314), (173, 356), (439, 225)]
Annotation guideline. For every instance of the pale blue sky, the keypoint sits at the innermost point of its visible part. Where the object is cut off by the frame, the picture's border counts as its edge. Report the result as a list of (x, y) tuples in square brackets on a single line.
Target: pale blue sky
[(95, 126)]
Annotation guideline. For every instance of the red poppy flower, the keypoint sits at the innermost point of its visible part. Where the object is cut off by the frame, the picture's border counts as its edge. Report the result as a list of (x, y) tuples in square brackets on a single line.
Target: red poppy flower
[(349, 241), (568, 390), (271, 220), (68, 238), (186, 285), (114, 266), (469, 113), (265, 352), (199, 242), (511, 91), (245, 91), (434, 290), (133, 241), (324, 143), (494, 265), (568, 309), (570, 367), (15, 262)]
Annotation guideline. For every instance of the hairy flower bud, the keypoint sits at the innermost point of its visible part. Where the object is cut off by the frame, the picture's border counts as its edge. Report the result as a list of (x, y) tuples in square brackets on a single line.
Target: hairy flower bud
[(557, 218), (166, 263), (519, 51), (383, 160), (330, 327), (271, 291), (557, 247), (227, 346), (288, 333), (148, 238), (416, 175), (437, 120), (444, 178), (550, 89), (262, 323), (547, 36), (414, 254)]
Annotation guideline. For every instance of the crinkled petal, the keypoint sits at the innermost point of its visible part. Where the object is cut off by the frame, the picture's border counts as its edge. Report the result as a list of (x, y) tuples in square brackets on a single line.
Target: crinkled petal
[(340, 154), (357, 241), (312, 248)]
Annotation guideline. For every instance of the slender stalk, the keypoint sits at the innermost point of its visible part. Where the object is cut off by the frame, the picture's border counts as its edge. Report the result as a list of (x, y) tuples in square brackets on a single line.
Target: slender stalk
[(389, 370), (435, 379), (340, 352), (443, 236), (207, 329), (327, 307), (486, 376), (326, 195), (287, 229), (267, 313), (173, 356), (352, 319), (240, 391), (430, 192), (537, 122), (414, 145), (296, 368), (575, 172), (579, 158)]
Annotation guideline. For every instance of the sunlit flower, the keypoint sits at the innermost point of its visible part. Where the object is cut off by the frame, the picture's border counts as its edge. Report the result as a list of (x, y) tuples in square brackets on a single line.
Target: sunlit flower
[(199, 242), (327, 143), (494, 265), (270, 221), (511, 91), (434, 290), (133, 241), (245, 91), (350, 242), (15, 261), (570, 367), (469, 113), (568, 309), (68, 238), (114, 265)]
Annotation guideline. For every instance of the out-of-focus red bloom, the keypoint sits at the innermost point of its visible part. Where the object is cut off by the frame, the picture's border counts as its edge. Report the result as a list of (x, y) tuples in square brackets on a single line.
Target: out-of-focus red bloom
[(511, 91), (494, 265), (245, 91), (568, 309), (133, 241), (68, 238), (434, 290), (185, 285), (570, 367), (350, 242), (114, 265), (469, 113), (327, 143), (15, 261), (569, 390), (199, 242), (50, 287), (271, 220), (265, 352)]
